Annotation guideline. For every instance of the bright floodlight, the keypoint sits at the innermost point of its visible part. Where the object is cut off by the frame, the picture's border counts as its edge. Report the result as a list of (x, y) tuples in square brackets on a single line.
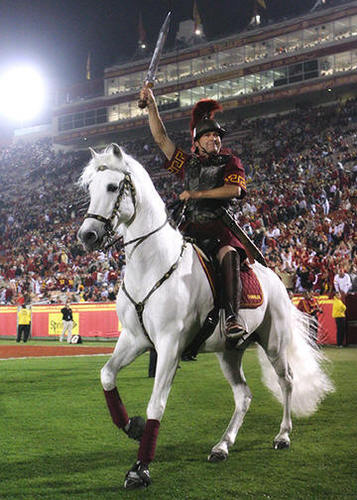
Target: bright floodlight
[(22, 94)]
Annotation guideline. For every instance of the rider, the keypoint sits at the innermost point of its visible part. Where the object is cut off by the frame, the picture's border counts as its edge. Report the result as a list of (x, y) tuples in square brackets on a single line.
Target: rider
[(212, 178)]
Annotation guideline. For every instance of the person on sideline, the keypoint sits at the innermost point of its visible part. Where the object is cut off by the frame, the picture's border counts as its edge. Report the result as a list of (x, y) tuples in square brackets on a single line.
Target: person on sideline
[(67, 322), (24, 322), (212, 178), (308, 304), (342, 283), (339, 313)]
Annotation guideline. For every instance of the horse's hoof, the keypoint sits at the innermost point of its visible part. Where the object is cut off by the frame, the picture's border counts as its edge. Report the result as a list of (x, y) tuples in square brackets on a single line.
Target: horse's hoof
[(281, 444), (136, 428), (217, 456), (137, 477)]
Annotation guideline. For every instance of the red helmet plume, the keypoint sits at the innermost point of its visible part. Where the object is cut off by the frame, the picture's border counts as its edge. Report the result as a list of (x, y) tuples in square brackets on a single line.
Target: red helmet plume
[(205, 108)]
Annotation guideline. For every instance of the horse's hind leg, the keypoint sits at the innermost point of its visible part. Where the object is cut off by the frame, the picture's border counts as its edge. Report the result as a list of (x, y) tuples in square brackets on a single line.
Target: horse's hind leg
[(231, 365), (285, 379)]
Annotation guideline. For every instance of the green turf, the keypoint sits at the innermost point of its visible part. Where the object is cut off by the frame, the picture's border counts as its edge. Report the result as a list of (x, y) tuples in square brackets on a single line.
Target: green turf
[(58, 441)]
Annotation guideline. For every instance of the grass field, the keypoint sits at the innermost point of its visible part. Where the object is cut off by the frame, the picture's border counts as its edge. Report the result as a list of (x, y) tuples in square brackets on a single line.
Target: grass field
[(58, 441)]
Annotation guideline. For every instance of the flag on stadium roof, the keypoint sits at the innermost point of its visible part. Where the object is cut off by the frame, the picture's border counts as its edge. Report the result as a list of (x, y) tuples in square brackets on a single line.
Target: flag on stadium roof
[(197, 19), (88, 67)]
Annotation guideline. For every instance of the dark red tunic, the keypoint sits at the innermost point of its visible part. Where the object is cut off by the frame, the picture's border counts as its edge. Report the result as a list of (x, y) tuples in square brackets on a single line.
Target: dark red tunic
[(213, 229)]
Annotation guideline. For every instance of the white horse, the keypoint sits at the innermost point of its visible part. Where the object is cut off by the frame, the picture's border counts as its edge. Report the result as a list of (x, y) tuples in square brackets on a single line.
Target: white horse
[(163, 302)]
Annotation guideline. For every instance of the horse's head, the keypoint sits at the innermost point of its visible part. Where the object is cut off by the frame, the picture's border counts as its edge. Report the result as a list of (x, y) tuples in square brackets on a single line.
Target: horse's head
[(112, 196)]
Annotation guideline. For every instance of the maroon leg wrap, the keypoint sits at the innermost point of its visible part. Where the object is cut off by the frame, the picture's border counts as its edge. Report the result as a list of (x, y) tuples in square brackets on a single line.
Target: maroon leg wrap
[(148, 442), (116, 408)]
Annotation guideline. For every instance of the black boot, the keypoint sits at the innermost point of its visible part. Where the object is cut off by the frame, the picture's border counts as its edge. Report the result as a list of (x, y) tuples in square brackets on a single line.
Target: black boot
[(206, 331), (232, 287)]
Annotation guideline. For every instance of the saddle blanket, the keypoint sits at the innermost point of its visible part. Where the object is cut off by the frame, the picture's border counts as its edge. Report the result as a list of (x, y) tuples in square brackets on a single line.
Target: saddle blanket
[(252, 293)]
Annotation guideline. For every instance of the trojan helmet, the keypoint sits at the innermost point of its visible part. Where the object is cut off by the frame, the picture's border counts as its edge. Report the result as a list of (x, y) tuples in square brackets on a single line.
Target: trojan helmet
[(202, 119)]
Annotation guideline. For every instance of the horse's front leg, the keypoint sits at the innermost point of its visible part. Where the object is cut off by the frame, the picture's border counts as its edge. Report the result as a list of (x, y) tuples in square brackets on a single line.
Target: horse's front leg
[(167, 361), (231, 365), (126, 350)]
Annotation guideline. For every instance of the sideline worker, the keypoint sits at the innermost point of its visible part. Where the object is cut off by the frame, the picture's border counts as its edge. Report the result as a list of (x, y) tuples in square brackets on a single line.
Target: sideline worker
[(24, 322), (212, 179), (67, 322)]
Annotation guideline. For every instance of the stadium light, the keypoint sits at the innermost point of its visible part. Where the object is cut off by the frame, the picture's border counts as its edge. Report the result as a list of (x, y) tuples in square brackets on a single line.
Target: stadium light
[(22, 94)]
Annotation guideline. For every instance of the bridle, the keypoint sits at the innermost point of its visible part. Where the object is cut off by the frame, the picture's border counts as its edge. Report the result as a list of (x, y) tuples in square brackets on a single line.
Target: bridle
[(125, 185)]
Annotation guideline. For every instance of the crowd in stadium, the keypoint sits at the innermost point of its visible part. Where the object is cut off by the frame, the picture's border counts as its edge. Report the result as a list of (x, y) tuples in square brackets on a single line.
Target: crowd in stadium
[(300, 209)]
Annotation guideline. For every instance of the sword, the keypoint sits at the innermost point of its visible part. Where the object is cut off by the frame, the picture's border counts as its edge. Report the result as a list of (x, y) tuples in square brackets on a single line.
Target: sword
[(154, 64), (228, 220)]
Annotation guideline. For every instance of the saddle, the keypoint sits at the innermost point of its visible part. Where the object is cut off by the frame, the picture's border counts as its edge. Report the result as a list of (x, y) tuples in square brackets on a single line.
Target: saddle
[(252, 297), (252, 294)]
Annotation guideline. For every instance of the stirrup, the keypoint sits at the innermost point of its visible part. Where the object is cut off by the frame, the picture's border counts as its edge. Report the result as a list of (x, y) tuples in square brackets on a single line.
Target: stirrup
[(233, 330)]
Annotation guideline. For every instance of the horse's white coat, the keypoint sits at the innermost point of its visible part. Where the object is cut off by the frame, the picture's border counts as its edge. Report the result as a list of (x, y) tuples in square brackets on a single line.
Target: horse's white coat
[(175, 312)]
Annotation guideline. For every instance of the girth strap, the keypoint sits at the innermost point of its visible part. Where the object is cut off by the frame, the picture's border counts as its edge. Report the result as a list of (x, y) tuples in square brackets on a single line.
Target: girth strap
[(139, 306)]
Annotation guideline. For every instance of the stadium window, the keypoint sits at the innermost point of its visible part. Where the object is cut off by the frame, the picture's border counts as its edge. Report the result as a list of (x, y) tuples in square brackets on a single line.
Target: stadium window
[(310, 69), (294, 41), (184, 69), (171, 72), (124, 111), (326, 66), (113, 114), (249, 84), (309, 38), (353, 31), (225, 89), (295, 73), (343, 62), (342, 29), (211, 91), (237, 86), (185, 98), (198, 65), (261, 50), (78, 120), (353, 60), (121, 84), (101, 115), (249, 53), (266, 80), (280, 45), (161, 75), (280, 77), (198, 93), (89, 117), (65, 122)]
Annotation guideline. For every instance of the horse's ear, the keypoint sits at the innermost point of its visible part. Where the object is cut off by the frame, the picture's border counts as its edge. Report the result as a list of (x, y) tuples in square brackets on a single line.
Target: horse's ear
[(92, 152), (117, 151)]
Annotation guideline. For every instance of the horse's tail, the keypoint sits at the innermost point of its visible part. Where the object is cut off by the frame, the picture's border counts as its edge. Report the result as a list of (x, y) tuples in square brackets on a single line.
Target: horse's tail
[(306, 360)]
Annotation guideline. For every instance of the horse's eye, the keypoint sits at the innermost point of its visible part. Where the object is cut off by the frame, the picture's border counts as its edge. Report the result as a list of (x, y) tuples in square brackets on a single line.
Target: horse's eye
[(112, 188)]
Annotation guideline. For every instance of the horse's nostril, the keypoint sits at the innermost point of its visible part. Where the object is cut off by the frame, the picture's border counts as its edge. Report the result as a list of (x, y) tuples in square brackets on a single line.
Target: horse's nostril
[(90, 237)]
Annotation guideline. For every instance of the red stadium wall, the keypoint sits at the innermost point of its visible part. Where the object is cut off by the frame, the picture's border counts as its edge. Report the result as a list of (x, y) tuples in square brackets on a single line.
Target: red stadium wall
[(90, 320), (100, 320)]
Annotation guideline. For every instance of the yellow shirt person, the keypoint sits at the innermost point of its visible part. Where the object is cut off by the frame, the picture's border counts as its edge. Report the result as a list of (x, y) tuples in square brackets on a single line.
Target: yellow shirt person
[(23, 324), (339, 313), (338, 307)]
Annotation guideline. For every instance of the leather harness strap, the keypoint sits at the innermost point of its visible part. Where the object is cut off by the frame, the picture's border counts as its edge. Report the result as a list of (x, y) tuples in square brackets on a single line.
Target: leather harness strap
[(139, 306)]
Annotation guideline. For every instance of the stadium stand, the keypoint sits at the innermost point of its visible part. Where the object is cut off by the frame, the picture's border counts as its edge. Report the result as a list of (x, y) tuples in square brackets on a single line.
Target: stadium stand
[(300, 209)]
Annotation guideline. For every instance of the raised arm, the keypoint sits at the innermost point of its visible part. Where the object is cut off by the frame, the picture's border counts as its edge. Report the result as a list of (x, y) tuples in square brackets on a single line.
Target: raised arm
[(157, 128)]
